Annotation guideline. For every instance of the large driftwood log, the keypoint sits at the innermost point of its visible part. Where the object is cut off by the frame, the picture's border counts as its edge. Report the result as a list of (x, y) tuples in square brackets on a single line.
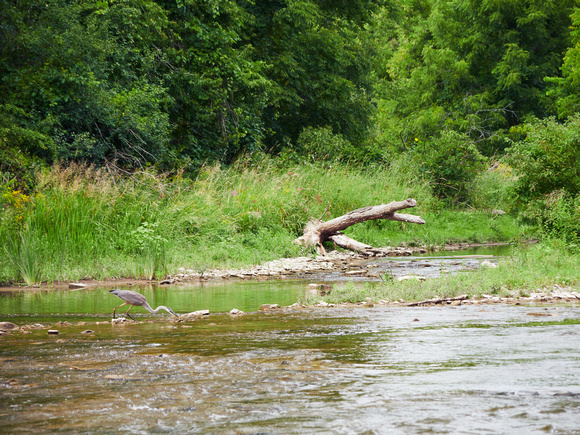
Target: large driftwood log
[(317, 232)]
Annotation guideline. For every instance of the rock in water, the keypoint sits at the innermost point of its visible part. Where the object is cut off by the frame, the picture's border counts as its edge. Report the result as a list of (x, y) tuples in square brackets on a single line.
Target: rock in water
[(235, 311)]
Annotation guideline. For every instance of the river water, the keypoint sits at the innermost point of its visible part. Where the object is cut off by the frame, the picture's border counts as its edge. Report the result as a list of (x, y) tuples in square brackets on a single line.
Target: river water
[(469, 369)]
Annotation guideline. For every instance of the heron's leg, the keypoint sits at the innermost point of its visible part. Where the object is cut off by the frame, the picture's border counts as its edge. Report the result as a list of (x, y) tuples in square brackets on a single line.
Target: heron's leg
[(127, 313), (118, 307)]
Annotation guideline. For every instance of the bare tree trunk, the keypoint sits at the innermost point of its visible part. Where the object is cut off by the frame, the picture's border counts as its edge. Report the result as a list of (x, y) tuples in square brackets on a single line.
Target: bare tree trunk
[(317, 232)]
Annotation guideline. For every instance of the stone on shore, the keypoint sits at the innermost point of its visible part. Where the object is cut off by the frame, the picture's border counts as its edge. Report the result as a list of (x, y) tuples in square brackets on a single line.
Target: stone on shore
[(411, 277), (269, 307), (77, 285), (119, 320), (235, 311), (8, 326)]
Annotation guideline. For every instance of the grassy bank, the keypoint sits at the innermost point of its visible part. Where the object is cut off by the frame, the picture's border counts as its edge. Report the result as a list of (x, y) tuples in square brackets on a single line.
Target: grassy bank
[(526, 269), (82, 222)]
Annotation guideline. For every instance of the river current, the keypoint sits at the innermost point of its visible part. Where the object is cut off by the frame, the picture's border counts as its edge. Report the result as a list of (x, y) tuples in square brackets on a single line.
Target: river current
[(469, 369)]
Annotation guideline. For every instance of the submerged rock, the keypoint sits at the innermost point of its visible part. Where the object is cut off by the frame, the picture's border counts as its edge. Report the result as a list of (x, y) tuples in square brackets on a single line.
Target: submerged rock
[(320, 289), (355, 272), (115, 377), (33, 326), (61, 323), (368, 303)]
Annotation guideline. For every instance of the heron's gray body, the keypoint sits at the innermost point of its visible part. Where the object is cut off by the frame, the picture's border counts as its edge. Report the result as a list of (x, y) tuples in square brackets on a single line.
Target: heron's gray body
[(133, 298)]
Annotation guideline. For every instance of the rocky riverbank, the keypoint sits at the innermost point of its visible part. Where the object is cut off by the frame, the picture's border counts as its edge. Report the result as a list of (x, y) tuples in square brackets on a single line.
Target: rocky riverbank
[(291, 267)]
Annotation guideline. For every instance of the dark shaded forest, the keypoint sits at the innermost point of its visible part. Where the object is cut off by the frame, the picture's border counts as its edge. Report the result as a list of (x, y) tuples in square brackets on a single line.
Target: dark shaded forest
[(180, 83)]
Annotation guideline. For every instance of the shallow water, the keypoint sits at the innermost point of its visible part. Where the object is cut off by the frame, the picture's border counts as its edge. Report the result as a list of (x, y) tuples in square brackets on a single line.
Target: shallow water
[(96, 303), (470, 369)]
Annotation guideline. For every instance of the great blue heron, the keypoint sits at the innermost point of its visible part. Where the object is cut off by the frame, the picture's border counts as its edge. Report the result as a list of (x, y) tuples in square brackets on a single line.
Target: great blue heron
[(133, 298)]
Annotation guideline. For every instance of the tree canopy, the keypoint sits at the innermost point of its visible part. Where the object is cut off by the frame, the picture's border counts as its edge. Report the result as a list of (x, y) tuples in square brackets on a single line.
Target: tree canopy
[(176, 83), (472, 66), (179, 83)]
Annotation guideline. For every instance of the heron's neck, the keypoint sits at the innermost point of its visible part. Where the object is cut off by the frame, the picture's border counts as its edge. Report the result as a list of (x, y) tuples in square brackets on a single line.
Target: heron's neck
[(160, 307), (148, 308), (156, 310)]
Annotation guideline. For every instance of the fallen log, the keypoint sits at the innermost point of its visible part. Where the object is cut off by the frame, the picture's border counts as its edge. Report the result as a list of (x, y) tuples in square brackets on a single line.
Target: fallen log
[(317, 232), (437, 301)]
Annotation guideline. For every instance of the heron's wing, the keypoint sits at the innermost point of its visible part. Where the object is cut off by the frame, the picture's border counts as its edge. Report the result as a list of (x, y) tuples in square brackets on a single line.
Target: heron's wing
[(132, 297)]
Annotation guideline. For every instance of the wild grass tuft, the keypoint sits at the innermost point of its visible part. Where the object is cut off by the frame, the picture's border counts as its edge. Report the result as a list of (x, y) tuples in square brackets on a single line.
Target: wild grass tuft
[(24, 255)]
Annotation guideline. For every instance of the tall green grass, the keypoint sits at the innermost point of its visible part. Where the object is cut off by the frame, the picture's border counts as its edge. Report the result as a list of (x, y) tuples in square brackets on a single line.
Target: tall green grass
[(23, 255), (90, 223)]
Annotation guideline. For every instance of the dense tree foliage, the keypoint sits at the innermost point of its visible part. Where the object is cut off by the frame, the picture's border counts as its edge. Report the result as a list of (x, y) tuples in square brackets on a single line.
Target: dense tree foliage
[(473, 66), (567, 88), (165, 82), (548, 185)]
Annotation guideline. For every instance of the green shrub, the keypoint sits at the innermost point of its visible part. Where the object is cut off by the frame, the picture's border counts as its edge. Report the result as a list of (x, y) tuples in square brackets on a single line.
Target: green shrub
[(83, 222), (318, 144), (451, 162), (492, 189), (547, 160), (557, 216), (548, 177)]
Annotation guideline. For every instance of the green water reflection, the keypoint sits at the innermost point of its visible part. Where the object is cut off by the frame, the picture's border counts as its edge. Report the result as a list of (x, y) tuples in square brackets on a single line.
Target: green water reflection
[(43, 305), (78, 305)]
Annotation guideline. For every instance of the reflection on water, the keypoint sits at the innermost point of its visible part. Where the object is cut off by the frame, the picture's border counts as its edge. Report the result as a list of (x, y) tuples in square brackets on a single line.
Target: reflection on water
[(471, 369), (93, 303)]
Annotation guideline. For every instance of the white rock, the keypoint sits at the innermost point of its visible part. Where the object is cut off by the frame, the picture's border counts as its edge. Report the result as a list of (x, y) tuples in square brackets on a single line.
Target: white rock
[(6, 326), (77, 285), (268, 307), (118, 320), (407, 277), (199, 313), (489, 264)]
